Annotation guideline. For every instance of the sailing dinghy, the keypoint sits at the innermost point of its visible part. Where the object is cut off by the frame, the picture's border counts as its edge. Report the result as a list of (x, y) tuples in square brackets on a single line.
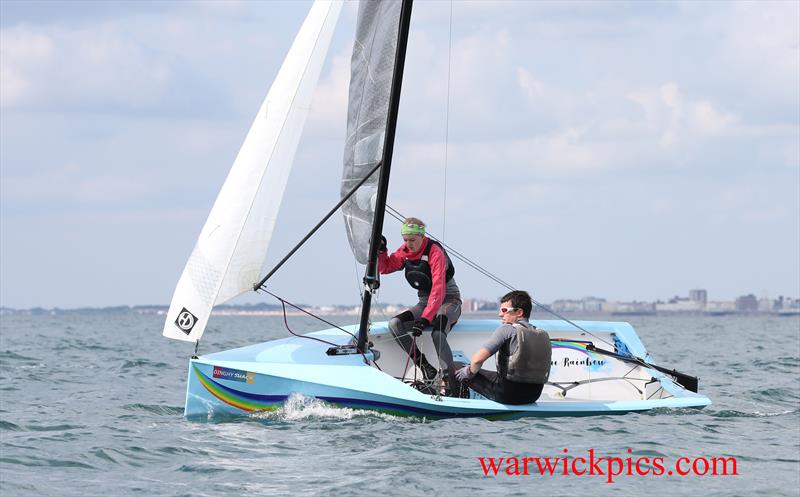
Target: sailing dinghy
[(597, 367)]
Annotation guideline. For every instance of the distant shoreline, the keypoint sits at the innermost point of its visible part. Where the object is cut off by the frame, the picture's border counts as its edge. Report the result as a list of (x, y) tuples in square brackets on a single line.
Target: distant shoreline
[(260, 310)]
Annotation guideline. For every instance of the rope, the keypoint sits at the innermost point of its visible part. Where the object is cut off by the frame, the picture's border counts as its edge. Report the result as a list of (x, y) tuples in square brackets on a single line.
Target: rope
[(284, 301), (398, 216), (286, 323), (359, 285)]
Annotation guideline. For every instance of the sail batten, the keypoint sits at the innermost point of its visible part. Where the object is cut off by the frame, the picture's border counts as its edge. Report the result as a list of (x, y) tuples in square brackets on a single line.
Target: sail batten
[(229, 254)]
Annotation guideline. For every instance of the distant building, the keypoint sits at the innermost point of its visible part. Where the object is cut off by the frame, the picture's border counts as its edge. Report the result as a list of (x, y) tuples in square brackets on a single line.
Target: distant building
[(634, 308), (698, 296), (586, 304), (485, 305), (593, 304), (567, 305), (470, 305), (789, 307), (720, 308), (681, 304), (747, 303), (477, 305)]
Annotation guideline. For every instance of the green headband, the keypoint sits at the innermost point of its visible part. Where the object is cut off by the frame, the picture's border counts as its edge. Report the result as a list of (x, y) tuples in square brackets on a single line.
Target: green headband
[(412, 229)]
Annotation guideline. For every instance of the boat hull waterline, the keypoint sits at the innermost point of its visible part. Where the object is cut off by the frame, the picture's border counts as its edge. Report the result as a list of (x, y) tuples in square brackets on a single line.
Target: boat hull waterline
[(262, 377)]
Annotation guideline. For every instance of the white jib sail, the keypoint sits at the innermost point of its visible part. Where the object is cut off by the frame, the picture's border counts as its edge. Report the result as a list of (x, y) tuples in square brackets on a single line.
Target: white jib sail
[(230, 251)]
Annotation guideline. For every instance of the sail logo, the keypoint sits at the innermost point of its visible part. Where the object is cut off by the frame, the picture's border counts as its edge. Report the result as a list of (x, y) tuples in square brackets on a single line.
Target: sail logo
[(234, 374), (185, 321)]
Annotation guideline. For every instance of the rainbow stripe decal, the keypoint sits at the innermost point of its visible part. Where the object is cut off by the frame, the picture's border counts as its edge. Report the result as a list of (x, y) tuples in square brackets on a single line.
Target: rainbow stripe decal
[(575, 345), (251, 402), (243, 400)]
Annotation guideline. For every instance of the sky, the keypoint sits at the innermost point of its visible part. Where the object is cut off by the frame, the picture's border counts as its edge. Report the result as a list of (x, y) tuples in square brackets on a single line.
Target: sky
[(624, 150)]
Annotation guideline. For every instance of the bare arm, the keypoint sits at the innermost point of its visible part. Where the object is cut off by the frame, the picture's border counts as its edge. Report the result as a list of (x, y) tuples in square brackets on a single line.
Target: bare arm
[(478, 358), (494, 343)]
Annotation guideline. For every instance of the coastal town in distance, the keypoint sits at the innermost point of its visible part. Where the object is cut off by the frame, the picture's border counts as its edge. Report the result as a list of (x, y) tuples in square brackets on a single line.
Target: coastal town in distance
[(696, 303)]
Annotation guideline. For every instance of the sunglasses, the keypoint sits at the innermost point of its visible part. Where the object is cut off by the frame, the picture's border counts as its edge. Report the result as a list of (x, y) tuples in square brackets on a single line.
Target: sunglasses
[(508, 309)]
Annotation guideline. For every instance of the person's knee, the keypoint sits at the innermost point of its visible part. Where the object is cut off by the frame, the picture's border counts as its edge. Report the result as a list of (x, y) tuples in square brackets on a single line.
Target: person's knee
[(404, 317), (397, 323), (439, 323)]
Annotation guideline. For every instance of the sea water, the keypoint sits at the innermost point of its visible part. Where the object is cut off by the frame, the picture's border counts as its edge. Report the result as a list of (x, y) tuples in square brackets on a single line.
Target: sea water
[(92, 404)]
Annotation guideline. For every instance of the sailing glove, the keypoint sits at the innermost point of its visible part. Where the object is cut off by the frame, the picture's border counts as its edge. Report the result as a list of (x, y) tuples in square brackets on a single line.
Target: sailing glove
[(382, 246), (419, 325), (465, 374)]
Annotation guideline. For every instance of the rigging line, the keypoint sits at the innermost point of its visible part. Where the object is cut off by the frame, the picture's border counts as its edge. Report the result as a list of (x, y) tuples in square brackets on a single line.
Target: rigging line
[(461, 257), (358, 283), (397, 215), (374, 311), (327, 216), (566, 386), (284, 301), (447, 120), (286, 323)]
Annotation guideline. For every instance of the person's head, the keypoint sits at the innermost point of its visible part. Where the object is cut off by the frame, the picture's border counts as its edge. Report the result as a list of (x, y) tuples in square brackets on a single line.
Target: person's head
[(413, 232), (514, 306)]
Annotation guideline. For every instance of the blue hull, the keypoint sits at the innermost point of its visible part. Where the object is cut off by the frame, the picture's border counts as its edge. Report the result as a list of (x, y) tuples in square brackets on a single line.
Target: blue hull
[(261, 377)]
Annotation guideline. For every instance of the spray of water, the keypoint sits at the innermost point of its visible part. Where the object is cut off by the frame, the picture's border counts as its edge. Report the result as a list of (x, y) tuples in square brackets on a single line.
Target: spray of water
[(299, 407)]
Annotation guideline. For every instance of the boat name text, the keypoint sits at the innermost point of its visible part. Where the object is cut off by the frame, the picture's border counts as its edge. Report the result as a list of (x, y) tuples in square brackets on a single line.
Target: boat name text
[(234, 374), (567, 362)]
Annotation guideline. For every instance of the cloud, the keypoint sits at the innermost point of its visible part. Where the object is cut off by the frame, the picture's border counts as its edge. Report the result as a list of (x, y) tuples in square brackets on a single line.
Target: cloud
[(675, 118), (21, 50), (76, 68), (72, 183), (761, 42), (533, 89)]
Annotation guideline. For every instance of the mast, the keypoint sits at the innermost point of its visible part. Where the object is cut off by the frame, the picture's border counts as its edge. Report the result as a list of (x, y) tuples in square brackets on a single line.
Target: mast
[(371, 281)]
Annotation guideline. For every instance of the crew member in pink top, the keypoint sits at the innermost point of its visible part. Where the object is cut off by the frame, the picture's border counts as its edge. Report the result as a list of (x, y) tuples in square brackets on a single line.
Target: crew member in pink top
[(429, 270)]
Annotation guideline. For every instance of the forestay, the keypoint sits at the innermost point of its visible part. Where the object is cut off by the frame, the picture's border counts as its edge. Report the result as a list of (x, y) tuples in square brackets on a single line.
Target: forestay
[(230, 251), (372, 69)]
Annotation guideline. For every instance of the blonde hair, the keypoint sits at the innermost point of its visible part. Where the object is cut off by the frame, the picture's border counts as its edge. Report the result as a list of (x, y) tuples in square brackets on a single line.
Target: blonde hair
[(414, 220)]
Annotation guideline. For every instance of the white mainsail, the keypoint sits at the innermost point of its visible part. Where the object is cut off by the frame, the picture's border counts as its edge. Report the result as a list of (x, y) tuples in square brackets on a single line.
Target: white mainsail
[(230, 251)]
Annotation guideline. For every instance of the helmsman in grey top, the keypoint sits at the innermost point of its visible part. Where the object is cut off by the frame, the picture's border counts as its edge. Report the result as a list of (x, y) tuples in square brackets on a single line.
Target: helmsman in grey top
[(523, 356)]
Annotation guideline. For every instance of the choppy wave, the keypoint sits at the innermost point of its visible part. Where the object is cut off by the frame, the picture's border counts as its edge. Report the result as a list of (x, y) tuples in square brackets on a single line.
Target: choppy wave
[(8, 355), (732, 413), (301, 408), (142, 363), (155, 409), (46, 462), (9, 426)]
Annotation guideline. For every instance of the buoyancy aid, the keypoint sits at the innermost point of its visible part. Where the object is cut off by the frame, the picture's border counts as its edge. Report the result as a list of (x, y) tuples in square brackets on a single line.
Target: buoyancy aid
[(418, 272), (530, 363)]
